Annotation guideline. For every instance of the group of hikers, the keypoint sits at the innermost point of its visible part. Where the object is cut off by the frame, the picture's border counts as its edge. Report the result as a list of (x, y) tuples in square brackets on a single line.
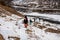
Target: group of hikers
[(25, 21)]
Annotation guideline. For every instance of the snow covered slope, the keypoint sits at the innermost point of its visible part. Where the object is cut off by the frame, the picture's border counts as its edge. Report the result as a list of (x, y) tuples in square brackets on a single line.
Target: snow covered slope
[(50, 16), (12, 26), (8, 26)]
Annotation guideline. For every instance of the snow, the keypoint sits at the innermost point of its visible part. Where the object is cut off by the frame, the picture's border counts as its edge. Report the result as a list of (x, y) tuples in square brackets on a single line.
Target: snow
[(9, 28), (32, 3), (18, 2), (23, 35), (53, 17)]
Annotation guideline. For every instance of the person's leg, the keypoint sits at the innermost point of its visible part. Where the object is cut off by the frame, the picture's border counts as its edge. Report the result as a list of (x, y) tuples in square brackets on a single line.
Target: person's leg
[(25, 25)]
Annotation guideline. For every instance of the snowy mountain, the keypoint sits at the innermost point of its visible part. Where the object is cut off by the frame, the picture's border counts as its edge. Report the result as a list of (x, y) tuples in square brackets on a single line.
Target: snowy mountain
[(8, 28), (12, 26)]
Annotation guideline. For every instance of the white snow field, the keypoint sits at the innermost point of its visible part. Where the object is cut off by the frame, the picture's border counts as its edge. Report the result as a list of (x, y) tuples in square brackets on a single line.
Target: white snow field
[(55, 17), (13, 26)]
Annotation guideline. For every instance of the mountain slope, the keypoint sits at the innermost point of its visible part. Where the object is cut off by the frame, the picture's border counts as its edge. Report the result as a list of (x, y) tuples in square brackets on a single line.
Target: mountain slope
[(11, 10)]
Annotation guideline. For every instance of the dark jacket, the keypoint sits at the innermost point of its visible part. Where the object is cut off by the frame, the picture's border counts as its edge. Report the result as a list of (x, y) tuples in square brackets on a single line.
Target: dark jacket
[(25, 21)]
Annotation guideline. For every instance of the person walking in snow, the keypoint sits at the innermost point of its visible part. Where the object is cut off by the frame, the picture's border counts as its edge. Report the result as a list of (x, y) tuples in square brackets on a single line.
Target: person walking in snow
[(25, 21), (30, 21)]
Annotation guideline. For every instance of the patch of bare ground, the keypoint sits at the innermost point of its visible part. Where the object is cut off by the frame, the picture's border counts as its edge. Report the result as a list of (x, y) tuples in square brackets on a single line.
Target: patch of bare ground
[(1, 37), (47, 24), (0, 24), (36, 23), (4, 12), (28, 31), (58, 29), (41, 27), (52, 30), (2, 15), (15, 38), (11, 10)]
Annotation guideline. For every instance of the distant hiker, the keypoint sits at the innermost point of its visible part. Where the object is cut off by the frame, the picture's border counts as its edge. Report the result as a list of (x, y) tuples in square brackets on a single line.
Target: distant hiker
[(25, 21), (39, 19), (30, 21), (34, 19)]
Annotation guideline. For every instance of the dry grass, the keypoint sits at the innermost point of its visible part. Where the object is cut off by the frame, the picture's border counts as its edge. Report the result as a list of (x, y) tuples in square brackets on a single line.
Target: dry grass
[(52, 30), (28, 31), (1, 37), (15, 38), (36, 23), (11, 10), (41, 27)]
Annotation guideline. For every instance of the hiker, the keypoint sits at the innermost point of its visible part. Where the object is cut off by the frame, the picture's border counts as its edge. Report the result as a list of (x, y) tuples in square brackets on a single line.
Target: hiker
[(25, 21), (39, 19), (30, 21), (34, 19)]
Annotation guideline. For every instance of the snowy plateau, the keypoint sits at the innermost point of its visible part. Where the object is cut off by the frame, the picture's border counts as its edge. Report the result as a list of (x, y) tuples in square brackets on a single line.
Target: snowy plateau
[(12, 26)]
